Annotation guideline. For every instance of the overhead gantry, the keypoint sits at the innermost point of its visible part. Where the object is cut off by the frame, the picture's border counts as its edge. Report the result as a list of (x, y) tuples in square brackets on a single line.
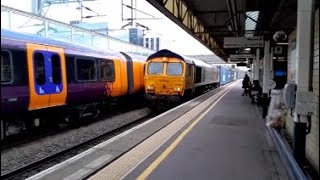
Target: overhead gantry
[(181, 14)]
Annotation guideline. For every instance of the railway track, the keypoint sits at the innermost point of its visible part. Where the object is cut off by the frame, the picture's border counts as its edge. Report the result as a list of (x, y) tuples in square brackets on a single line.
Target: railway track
[(25, 137), (46, 162)]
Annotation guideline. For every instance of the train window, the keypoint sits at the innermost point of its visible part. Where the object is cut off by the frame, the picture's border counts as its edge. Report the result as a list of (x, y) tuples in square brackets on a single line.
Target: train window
[(39, 68), (6, 67), (174, 69), (86, 70), (107, 70), (155, 68), (56, 69)]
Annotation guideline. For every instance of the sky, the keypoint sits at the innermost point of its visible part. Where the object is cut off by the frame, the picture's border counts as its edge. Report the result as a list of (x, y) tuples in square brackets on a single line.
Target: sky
[(173, 37)]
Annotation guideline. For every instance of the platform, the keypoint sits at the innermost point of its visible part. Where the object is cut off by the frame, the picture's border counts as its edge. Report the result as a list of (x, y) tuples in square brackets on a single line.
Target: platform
[(227, 141)]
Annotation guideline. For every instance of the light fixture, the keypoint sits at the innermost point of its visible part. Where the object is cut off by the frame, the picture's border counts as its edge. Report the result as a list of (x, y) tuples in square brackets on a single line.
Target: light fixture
[(247, 49), (282, 43)]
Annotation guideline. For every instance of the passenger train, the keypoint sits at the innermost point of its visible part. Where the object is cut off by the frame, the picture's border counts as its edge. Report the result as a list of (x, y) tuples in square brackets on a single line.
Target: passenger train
[(43, 79)]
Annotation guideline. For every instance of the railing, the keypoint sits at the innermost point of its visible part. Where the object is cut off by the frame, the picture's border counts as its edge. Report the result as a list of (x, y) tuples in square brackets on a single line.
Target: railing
[(20, 21)]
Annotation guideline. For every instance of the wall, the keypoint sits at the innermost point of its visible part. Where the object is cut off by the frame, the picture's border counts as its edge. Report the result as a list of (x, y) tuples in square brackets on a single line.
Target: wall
[(312, 150), (312, 144)]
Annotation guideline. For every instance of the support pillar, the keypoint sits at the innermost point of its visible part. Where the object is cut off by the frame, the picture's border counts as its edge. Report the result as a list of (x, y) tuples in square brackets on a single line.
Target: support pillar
[(304, 30), (257, 65), (253, 70), (267, 69)]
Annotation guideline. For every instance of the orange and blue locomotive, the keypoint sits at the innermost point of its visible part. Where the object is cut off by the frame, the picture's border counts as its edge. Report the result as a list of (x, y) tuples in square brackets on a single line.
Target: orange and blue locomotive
[(44, 79)]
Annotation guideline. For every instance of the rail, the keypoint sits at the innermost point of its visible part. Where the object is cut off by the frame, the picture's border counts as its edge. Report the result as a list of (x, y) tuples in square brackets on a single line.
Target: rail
[(21, 21)]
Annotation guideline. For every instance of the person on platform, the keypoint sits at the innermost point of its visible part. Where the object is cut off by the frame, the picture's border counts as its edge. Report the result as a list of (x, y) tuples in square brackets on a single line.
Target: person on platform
[(256, 93), (246, 85)]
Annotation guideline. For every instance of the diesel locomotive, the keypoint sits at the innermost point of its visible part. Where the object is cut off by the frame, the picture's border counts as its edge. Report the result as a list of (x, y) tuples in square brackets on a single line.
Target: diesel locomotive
[(170, 78)]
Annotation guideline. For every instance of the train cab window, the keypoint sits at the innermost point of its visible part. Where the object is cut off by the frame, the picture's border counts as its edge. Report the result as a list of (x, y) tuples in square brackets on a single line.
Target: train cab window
[(174, 69), (6, 67), (107, 70), (56, 69), (86, 70), (155, 68), (39, 68)]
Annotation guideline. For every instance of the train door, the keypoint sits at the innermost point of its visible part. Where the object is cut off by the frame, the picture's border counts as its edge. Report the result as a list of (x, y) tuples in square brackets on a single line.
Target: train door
[(47, 76), (189, 77), (197, 74), (129, 73)]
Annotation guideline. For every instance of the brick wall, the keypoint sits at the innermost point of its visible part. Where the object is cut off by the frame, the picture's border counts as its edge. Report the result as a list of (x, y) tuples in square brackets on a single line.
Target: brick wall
[(312, 144), (312, 149)]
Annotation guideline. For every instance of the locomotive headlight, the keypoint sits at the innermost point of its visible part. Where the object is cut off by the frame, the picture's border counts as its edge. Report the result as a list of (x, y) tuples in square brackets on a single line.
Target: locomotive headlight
[(177, 89)]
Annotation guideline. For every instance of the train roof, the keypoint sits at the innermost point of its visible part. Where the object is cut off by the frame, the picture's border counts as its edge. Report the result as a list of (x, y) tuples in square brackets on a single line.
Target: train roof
[(7, 34), (136, 56), (168, 53), (201, 63)]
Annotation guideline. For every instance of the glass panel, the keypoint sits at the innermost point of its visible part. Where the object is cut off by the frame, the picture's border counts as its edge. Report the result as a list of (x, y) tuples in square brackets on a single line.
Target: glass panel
[(115, 45), (174, 69), (39, 68), (5, 19), (82, 37), (59, 31), (56, 69), (29, 25), (127, 48), (155, 68), (100, 42), (86, 70), (6, 67), (106, 70)]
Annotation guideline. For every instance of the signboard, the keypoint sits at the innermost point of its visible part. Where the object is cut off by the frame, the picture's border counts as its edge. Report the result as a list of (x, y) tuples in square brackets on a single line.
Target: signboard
[(241, 64), (243, 42), (236, 59), (235, 56)]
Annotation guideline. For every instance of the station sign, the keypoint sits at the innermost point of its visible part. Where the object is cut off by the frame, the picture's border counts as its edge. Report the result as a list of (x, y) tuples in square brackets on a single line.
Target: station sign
[(243, 42), (236, 59), (236, 56)]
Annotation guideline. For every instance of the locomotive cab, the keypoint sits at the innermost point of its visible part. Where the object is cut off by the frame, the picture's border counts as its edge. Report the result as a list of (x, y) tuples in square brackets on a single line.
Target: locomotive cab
[(166, 76)]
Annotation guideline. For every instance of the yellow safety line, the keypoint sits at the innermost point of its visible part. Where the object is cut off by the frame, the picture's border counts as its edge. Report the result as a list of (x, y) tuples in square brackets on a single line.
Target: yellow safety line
[(157, 162)]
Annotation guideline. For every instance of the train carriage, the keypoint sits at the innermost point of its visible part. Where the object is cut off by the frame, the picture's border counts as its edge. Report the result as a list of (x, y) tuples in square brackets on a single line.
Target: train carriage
[(43, 78)]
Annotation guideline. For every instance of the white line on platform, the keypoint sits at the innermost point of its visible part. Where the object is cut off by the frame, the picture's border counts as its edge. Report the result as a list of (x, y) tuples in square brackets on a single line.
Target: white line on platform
[(98, 162)]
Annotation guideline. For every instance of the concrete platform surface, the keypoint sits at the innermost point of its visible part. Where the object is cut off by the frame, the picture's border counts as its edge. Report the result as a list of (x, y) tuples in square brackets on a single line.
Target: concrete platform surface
[(229, 142)]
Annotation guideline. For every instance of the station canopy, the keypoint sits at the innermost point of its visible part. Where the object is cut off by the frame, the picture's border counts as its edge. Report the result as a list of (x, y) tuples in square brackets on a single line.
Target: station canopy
[(209, 21)]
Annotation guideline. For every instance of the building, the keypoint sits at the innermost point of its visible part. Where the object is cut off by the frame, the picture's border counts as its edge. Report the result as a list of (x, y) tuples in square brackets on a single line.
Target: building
[(151, 42), (136, 36)]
